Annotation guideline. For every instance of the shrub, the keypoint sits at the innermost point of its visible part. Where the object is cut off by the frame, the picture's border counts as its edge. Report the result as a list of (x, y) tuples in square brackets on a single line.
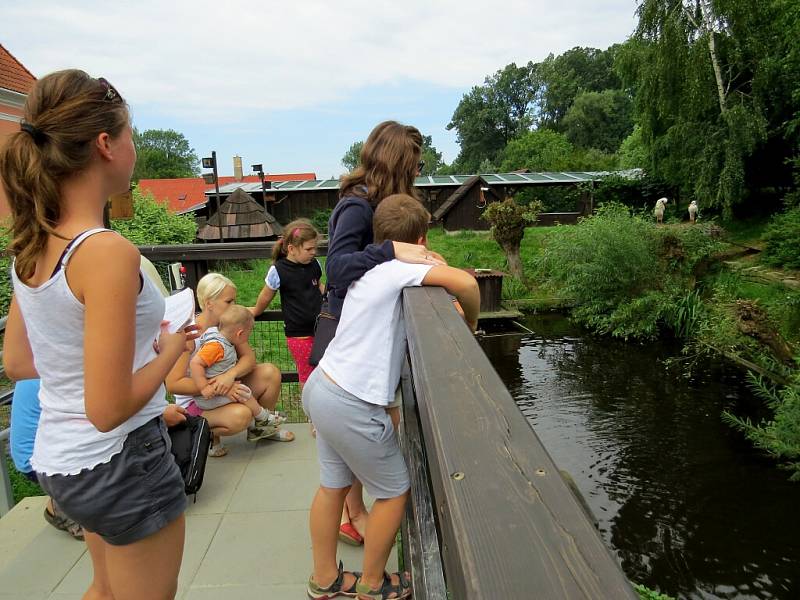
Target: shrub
[(779, 436), (5, 273), (153, 224), (320, 220), (509, 220), (782, 238)]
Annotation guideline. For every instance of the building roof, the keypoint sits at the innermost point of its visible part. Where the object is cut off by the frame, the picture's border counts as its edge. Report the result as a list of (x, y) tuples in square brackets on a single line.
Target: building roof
[(456, 196), (188, 193), (435, 181), (240, 218), (13, 74)]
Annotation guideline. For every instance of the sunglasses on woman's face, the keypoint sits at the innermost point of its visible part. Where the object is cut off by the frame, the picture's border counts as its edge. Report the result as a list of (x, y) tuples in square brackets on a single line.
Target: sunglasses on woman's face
[(112, 95)]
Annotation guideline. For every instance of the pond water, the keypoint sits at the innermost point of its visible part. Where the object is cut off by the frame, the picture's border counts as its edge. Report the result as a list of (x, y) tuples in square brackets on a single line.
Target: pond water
[(685, 503)]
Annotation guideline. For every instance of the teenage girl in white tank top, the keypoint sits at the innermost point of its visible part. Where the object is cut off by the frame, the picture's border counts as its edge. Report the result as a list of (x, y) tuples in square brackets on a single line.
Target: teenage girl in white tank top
[(85, 320)]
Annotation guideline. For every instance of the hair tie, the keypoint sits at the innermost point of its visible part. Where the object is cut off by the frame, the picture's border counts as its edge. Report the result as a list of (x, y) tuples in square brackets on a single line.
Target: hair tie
[(38, 135)]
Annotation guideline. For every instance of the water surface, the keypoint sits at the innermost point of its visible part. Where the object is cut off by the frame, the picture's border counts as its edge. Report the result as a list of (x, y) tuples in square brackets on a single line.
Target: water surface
[(687, 505)]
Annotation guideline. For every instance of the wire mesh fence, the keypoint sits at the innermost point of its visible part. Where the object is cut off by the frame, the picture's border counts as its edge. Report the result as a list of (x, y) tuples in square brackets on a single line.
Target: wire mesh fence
[(269, 344)]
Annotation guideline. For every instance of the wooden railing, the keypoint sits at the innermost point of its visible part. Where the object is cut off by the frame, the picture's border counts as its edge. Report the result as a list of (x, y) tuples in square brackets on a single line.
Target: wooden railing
[(506, 525)]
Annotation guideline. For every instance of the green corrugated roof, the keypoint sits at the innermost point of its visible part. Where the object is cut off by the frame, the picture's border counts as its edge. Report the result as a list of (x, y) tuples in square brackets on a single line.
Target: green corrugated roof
[(427, 181)]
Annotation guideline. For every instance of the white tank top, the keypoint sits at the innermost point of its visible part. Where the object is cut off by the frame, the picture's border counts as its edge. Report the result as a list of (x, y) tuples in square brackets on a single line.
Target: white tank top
[(66, 441)]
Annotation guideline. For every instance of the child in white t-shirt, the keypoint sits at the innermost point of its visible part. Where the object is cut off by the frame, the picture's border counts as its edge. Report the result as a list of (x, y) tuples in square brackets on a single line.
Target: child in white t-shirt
[(346, 399)]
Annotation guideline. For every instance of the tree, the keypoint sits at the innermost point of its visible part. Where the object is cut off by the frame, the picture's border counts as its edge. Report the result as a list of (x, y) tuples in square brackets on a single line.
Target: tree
[(352, 157), (509, 220), (431, 156), (566, 76), (162, 154), (540, 150), (490, 115), (599, 120), (713, 96)]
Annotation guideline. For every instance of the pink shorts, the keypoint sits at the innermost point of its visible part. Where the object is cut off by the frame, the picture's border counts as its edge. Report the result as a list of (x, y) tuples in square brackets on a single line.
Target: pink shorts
[(193, 409), (300, 347)]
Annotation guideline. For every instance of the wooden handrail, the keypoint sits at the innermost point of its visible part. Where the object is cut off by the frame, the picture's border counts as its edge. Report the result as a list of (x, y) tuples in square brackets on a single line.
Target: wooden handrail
[(508, 523), (218, 251)]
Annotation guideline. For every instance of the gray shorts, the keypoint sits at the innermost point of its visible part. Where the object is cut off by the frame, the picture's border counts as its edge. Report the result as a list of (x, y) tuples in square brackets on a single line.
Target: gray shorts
[(132, 496), (354, 438)]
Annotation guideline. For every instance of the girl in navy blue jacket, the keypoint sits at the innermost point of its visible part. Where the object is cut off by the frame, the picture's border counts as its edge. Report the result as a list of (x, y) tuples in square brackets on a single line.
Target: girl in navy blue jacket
[(389, 162)]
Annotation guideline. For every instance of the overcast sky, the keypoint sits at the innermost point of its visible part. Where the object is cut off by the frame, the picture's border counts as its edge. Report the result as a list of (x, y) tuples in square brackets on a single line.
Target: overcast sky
[(292, 84)]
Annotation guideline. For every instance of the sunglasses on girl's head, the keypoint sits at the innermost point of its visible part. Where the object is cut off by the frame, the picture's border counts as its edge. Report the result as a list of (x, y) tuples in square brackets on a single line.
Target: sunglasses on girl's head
[(112, 95)]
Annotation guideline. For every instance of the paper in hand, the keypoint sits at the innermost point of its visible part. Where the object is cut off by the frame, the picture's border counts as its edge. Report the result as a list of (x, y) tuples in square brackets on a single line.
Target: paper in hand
[(179, 310)]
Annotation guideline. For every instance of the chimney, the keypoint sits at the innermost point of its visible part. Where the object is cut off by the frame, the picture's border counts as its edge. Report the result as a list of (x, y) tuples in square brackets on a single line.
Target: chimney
[(237, 168)]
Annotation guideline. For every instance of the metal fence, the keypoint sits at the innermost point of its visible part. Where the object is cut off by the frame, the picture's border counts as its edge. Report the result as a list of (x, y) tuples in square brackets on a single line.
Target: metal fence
[(269, 344)]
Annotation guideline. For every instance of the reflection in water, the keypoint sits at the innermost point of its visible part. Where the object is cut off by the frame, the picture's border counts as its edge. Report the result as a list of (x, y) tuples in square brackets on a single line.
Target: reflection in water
[(685, 503)]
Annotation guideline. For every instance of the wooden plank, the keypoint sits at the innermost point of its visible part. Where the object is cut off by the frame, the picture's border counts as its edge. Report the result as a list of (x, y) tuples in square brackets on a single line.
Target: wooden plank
[(420, 542), (218, 251), (510, 527)]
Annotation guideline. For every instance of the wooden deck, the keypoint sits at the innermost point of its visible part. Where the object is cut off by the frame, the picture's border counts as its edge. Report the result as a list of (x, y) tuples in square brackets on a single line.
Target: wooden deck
[(246, 537)]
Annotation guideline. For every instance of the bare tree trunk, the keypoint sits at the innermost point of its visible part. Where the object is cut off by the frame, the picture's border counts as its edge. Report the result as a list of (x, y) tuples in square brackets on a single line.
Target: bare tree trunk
[(514, 261)]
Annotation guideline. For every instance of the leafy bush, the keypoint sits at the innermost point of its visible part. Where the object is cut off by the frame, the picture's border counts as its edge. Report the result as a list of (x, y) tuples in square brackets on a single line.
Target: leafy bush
[(320, 220), (779, 436), (782, 238), (153, 224), (645, 593), (5, 273), (626, 276)]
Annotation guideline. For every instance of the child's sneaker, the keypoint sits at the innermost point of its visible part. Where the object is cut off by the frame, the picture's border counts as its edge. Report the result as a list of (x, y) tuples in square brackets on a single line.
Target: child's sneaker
[(273, 420), (260, 433), (335, 589)]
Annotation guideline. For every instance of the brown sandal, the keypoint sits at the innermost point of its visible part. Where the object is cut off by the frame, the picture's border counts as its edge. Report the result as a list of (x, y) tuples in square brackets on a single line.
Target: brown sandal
[(62, 522)]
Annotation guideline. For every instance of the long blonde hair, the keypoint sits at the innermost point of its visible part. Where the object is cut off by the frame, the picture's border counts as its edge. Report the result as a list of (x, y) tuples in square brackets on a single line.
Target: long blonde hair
[(210, 286), (64, 113), (389, 163)]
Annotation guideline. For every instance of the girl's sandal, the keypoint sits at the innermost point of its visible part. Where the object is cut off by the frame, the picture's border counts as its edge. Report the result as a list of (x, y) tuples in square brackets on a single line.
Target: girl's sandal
[(388, 590)]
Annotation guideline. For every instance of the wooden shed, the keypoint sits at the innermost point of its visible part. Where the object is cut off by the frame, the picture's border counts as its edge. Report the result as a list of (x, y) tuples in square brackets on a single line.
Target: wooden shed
[(463, 208), (240, 218)]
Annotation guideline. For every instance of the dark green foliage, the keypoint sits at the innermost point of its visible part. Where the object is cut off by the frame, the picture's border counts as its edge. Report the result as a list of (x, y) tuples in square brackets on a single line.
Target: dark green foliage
[(352, 157), (320, 220), (780, 435), (782, 238), (599, 120), (509, 220), (645, 593), (154, 224), (716, 95), (635, 192), (5, 273), (162, 154), (566, 76), (627, 277), (21, 486), (490, 115)]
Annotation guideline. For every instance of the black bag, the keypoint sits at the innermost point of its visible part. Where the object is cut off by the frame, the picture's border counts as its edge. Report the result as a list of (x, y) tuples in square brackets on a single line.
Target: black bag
[(324, 332), (190, 442)]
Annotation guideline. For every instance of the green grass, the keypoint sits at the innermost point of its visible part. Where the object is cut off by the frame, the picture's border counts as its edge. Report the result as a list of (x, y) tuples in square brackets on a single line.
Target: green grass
[(21, 485), (746, 232)]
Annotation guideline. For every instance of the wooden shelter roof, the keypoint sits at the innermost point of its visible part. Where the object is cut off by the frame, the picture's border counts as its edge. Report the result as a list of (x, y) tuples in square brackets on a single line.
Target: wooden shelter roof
[(240, 218), (454, 198)]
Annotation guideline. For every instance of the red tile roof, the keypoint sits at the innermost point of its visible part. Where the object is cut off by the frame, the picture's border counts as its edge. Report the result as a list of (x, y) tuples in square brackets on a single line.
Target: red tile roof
[(183, 194), (13, 74)]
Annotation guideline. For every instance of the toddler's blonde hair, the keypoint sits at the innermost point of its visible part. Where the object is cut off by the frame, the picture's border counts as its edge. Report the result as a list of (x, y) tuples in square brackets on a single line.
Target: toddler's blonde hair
[(211, 286)]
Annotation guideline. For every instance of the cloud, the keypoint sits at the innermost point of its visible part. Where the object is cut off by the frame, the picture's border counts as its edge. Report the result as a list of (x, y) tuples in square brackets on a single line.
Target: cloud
[(207, 61)]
